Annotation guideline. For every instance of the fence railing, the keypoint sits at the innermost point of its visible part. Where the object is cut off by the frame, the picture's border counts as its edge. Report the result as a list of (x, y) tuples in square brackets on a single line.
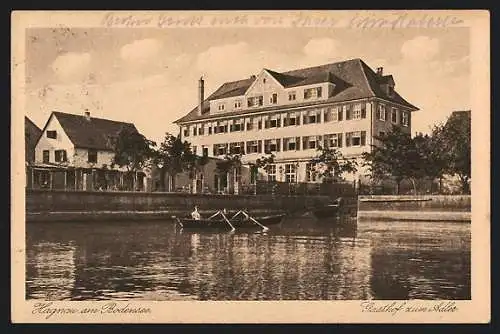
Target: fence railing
[(298, 189)]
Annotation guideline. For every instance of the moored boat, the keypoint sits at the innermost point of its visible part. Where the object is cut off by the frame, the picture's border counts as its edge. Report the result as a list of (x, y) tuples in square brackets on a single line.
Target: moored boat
[(329, 210), (235, 222)]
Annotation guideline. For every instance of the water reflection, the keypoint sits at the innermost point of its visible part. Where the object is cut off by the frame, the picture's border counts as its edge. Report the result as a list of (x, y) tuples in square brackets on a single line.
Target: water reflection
[(301, 260)]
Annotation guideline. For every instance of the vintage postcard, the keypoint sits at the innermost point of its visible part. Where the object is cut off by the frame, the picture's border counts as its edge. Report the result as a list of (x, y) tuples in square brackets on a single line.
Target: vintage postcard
[(250, 166)]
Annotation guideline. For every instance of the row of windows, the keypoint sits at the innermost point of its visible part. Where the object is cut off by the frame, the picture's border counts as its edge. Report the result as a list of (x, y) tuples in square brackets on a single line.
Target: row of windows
[(382, 115), (61, 156), (333, 140), (335, 114), (258, 101), (289, 171)]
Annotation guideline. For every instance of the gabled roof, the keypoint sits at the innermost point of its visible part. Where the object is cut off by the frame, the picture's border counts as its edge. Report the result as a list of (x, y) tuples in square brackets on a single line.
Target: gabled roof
[(353, 80), (93, 133)]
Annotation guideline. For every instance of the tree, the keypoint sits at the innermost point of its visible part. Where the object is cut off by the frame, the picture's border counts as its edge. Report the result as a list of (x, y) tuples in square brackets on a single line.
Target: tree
[(457, 142), (330, 164), (173, 157), (263, 162), (132, 150), (396, 157), (434, 157), (230, 163)]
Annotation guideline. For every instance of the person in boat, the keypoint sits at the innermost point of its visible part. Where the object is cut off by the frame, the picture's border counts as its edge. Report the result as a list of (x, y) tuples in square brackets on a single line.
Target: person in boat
[(195, 214)]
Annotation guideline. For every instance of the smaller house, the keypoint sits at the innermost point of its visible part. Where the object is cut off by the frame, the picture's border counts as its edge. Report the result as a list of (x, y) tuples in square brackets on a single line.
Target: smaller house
[(75, 152), (31, 135)]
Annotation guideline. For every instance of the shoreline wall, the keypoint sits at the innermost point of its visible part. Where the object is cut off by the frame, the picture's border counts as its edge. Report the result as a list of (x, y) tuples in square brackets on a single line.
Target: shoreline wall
[(44, 203), (415, 208)]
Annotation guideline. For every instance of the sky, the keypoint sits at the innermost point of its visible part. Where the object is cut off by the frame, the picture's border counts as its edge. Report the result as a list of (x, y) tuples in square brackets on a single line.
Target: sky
[(149, 76)]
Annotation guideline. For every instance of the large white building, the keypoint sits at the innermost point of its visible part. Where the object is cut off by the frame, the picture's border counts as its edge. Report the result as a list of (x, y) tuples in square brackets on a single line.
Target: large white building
[(342, 105)]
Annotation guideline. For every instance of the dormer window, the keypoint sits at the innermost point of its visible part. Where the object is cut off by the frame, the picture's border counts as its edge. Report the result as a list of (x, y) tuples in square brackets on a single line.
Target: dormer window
[(237, 104), (255, 101), (312, 93), (273, 99), (292, 96), (390, 90), (221, 107), (52, 134)]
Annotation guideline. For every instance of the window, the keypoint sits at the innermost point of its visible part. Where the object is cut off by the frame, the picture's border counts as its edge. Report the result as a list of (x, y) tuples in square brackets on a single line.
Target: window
[(332, 140), (46, 155), (201, 130), (209, 130), (291, 144), (255, 101), (394, 115), (249, 126), (237, 148), (271, 145), (274, 99), (290, 173), (220, 149), (381, 134), (220, 129), (271, 173), (237, 104), (221, 106), (194, 149), (92, 155), (195, 131), (404, 118), (312, 93), (274, 123), (254, 146), (186, 132), (237, 127), (291, 119), (332, 115), (205, 151), (357, 111), (52, 134), (309, 142), (60, 156), (291, 96), (311, 174), (259, 125), (382, 115), (357, 138)]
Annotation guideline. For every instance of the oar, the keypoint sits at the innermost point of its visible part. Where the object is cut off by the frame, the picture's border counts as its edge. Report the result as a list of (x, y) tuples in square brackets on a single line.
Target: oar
[(212, 216), (236, 215), (224, 216), (264, 228)]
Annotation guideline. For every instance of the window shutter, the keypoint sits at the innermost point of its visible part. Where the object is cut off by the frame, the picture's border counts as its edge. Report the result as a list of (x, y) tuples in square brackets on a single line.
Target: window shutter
[(248, 146), (266, 124), (285, 144), (231, 128), (348, 113), (297, 120), (297, 143), (260, 125), (225, 128), (304, 119), (318, 116), (363, 110), (325, 142), (348, 139), (285, 121), (304, 143), (363, 138), (215, 150), (339, 114), (339, 140), (259, 146), (278, 144), (278, 122)]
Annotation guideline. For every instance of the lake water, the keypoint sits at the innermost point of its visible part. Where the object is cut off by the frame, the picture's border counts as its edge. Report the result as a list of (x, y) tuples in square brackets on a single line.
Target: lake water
[(300, 260)]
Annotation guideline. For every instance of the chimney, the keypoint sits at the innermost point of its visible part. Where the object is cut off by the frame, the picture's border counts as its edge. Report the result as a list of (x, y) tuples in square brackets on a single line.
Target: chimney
[(253, 77), (87, 116), (201, 95), (380, 71)]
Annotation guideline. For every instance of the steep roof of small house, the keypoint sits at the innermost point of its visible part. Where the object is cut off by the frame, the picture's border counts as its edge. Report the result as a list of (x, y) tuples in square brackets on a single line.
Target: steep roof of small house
[(93, 133), (353, 79)]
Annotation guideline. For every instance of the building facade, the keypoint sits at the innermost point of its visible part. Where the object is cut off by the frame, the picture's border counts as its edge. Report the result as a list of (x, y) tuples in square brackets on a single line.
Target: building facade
[(341, 105), (74, 152)]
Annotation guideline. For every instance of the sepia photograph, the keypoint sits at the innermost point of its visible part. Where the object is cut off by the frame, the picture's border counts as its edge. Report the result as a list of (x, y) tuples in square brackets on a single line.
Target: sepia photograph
[(250, 157)]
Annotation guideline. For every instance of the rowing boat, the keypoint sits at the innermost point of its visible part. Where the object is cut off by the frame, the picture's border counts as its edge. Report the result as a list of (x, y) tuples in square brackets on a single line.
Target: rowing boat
[(329, 210), (237, 222)]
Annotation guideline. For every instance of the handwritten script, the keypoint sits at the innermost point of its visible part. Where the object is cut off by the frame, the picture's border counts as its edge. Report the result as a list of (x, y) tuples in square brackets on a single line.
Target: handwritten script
[(396, 307), (298, 20), (48, 309)]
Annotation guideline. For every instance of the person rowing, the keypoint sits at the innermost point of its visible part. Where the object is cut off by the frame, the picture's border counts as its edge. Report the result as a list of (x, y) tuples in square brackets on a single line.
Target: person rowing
[(195, 214)]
